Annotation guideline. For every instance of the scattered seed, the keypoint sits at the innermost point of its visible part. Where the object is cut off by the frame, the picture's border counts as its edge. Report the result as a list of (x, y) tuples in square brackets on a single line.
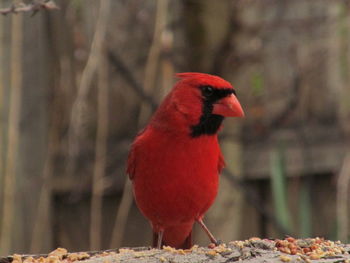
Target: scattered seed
[(285, 258)]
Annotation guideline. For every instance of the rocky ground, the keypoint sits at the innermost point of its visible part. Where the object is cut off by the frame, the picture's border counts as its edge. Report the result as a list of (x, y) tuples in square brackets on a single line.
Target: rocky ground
[(253, 250)]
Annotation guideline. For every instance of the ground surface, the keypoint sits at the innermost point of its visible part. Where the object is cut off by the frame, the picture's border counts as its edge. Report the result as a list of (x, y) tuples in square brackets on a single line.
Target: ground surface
[(252, 250)]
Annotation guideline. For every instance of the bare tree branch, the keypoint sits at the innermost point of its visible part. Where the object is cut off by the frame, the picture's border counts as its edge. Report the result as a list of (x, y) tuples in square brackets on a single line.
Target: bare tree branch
[(127, 74), (9, 184), (153, 58), (101, 67), (100, 155), (342, 199), (122, 215), (80, 104), (32, 7)]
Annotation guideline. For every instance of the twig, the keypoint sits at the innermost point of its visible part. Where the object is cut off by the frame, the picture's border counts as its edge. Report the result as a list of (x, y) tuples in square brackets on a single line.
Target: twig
[(43, 214), (100, 154), (80, 103), (13, 135), (127, 74), (342, 199), (96, 61), (152, 64), (122, 215), (32, 7)]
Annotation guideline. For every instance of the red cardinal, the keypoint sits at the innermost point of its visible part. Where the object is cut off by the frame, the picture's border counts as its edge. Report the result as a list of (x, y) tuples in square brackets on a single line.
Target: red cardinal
[(175, 161)]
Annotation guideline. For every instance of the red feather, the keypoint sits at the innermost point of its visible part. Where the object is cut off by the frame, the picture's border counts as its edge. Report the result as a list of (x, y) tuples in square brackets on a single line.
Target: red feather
[(175, 176)]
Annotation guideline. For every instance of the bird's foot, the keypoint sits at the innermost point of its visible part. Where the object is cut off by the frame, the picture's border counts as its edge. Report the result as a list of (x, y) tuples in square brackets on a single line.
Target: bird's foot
[(217, 242)]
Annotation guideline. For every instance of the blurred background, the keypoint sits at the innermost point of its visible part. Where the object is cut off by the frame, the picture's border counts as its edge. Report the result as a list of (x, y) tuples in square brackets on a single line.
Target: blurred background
[(76, 84)]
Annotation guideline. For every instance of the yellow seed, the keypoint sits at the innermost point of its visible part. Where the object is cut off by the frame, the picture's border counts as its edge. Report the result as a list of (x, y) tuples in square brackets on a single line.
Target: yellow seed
[(28, 260), (59, 252), (17, 257), (285, 258), (211, 253), (314, 256), (73, 256), (83, 255), (167, 248), (163, 259), (180, 251)]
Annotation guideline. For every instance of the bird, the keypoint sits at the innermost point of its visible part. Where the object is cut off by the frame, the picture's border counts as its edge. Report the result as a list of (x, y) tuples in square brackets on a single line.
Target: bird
[(175, 161)]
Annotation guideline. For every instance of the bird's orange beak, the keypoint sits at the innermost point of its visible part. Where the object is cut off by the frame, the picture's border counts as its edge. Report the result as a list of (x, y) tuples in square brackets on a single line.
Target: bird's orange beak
[(228, 107)]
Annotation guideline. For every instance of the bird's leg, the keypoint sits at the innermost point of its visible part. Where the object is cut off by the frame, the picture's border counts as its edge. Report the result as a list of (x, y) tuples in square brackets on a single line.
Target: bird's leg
[(160, 239), (210, 235)]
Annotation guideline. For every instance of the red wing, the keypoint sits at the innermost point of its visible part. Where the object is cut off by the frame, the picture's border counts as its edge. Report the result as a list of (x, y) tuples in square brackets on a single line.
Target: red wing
[(221, 162), (131, 162)]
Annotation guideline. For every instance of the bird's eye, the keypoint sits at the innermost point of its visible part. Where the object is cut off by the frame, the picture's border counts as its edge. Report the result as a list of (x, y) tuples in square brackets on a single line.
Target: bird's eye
[(207, 91)]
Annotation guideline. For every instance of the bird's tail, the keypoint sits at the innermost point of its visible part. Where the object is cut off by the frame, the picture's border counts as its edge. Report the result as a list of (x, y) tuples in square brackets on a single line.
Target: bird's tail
[(179, 237)]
